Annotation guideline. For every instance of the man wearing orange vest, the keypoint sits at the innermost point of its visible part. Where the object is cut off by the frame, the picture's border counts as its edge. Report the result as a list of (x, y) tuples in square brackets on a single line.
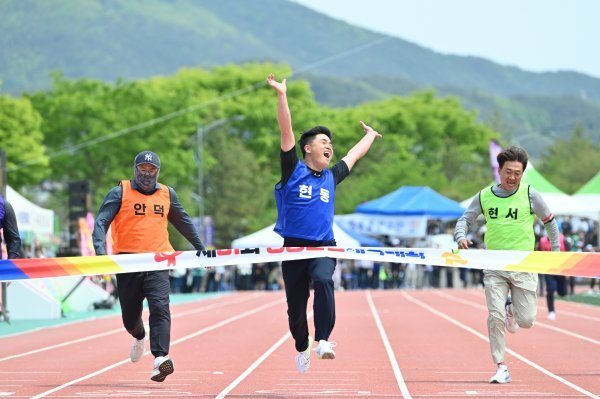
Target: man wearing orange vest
[(140, 211)]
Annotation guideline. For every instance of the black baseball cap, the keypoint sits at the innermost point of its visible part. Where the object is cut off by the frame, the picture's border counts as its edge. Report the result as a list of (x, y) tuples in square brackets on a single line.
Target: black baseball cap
[(147, 157)]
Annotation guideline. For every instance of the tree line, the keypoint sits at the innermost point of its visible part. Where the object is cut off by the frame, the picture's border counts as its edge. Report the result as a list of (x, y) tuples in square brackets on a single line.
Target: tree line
[(87, 129)]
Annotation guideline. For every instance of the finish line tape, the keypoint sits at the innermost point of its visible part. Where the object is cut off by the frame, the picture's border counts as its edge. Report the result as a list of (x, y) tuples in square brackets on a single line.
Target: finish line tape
[(580, 264)]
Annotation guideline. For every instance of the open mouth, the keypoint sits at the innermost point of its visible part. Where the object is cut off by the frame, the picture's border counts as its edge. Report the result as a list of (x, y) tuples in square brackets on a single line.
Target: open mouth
[(327, 154)]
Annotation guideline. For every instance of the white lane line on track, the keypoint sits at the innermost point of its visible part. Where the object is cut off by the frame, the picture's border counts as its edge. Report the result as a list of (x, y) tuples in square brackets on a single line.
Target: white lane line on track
[(579, 316), (120, 329), (541, 302), (257, 363), (537, 323), (62, 344), (515, 354), (388, 348), (71, 323), (173, 343)]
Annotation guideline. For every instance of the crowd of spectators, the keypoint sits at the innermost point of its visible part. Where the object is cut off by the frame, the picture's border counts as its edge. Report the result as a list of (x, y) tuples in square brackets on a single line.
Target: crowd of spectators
[(581, 235), (362, 274)]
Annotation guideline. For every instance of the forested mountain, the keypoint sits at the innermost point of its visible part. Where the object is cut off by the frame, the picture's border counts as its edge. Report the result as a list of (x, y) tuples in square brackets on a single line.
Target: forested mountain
[(112, 39), (523, 119), (347, 65), (137, 74)]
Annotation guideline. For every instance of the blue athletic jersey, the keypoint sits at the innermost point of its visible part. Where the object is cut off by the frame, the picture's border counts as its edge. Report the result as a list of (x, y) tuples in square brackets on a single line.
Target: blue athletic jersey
[(305, 205)]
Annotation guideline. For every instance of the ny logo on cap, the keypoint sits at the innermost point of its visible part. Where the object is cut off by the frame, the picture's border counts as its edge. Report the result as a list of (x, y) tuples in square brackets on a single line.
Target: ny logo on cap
[(148, 157)]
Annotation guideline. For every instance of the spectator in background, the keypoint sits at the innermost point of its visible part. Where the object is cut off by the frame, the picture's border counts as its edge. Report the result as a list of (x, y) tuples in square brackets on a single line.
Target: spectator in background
[(364, 272), (427, 280), (244, 276), (593, 281), (410, 276), (259, 276), (197, 275), (177, 279), (554, 283)]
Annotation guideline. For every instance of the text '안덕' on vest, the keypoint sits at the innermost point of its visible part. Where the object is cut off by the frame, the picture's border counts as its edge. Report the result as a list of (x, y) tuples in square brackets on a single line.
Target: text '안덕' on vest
[(140, 209)]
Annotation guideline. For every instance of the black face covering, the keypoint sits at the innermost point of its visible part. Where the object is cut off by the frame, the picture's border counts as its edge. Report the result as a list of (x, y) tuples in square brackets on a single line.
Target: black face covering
[(146, 181)]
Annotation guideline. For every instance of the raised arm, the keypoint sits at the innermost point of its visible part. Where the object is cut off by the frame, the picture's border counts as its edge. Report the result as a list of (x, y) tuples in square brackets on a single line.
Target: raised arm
[(362, 147), (284, 116)]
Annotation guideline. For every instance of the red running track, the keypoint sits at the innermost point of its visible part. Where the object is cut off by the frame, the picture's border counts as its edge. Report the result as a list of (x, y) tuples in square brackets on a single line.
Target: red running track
[(390, 344)]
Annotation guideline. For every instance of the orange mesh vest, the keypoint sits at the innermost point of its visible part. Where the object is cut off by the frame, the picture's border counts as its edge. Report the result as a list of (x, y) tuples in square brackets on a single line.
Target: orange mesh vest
[(141, 223)]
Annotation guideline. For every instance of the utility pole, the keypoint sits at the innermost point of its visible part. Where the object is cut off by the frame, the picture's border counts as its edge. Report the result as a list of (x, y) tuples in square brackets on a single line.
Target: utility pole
[(199, 195)]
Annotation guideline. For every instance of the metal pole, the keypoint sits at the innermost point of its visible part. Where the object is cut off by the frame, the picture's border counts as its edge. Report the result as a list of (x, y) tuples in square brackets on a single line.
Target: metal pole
[(200, 132), (200, 182), (4, 310)]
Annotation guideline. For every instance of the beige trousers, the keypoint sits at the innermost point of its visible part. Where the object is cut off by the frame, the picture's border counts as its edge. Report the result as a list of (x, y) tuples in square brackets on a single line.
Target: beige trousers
[(522, 287)]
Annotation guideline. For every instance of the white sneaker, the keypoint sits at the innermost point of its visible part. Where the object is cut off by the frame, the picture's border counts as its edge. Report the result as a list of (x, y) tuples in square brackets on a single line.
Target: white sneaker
[(509, 320), (551, 316), (163, 366), (138, 348), (303, 358), (502, 376), (324, 350)]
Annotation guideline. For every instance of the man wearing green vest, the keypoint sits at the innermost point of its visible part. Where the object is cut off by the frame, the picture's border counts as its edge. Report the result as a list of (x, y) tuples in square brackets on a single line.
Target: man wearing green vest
[(509, 209)]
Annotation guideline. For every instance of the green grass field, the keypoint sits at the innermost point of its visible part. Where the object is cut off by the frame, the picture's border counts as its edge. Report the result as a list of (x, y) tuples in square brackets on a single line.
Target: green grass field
[(593, 299)]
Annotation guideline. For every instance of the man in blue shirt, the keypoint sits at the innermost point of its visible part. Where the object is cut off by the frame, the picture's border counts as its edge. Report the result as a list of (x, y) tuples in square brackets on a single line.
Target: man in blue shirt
[(305, 203)]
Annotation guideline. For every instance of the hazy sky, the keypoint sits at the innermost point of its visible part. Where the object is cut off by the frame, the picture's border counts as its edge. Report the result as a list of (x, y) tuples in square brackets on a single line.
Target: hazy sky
[(535, 35)]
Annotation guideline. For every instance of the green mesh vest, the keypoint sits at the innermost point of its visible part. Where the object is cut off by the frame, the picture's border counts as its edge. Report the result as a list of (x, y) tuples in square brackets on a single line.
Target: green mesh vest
[(509, 220)]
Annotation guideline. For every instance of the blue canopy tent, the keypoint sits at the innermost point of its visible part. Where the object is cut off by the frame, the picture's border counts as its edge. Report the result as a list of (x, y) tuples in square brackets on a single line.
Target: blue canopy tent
[(366, 241), (413, 201)]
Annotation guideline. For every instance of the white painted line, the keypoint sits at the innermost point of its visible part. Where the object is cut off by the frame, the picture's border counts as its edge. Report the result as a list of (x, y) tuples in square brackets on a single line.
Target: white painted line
[(173, 343), (120, 329), (561, 312), (91, 318), (85, 377), (388, 348), (256, 363), (62, 344), (229, 320), (541, 302), (515, 354), (28, 372), (57, 326), (537, 323), (211, 306)]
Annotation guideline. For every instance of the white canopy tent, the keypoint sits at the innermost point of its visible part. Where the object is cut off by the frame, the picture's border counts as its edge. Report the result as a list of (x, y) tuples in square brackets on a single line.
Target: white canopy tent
[(268, 238), (589, 194), (559, 203), (562, 205), (34, 221)]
